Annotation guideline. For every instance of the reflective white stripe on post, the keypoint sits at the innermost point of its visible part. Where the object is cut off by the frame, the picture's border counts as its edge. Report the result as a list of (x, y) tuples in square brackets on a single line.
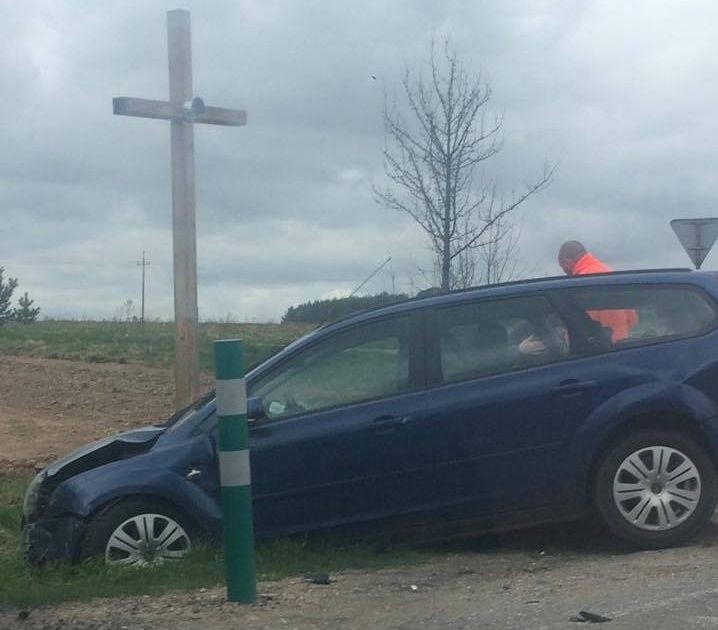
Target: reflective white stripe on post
[(231, 397), (234, 468)]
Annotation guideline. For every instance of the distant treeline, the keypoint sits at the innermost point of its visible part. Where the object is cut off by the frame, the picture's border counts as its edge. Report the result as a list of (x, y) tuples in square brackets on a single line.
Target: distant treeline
[(322, 311)]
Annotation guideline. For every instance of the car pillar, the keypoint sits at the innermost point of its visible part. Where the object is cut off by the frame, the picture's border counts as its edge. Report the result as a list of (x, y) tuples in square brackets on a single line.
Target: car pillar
[(234, 471)]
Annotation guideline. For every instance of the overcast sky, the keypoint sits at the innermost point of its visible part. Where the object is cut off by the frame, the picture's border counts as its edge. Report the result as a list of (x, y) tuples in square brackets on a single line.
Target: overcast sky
[(622, 95)]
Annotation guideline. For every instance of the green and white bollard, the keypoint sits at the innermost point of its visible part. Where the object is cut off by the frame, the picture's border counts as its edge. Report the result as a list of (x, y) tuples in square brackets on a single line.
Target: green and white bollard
[(234, 472)]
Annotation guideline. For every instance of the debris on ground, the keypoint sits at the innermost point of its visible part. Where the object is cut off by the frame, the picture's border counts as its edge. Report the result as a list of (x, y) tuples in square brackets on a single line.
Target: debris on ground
[(586, 616), (317, 578)]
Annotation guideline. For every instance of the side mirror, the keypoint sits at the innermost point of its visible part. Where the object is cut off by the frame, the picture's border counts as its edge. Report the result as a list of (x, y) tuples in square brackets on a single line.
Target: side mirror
[(255, 409)]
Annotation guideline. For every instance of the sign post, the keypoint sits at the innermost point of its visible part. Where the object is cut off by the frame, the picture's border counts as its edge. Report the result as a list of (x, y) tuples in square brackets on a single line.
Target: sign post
[(697, 237)]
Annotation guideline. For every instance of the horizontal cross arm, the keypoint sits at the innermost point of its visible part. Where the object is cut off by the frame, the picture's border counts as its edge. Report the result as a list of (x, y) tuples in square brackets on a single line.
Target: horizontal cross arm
[(147, 108), (221, 116), (142, 107)]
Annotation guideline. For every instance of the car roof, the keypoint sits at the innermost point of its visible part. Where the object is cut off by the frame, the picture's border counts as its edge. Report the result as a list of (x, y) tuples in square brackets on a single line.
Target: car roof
[(634, 276)]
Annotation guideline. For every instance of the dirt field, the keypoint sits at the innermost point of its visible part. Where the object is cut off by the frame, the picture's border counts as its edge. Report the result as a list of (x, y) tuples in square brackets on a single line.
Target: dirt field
[(49, 407), (542, 578)]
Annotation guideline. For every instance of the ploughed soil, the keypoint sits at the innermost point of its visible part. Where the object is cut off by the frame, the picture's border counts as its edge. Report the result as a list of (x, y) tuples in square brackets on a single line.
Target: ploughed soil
[(540, 578), (48, 407)]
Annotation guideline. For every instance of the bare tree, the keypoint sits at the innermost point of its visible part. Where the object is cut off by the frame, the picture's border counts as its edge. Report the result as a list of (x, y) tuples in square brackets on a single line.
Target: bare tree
[(433, 164), (498, 260), (495, 260)]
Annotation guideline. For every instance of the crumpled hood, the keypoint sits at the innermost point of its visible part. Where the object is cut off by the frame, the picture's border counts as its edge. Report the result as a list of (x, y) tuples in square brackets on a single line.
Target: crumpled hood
[(104, 451)]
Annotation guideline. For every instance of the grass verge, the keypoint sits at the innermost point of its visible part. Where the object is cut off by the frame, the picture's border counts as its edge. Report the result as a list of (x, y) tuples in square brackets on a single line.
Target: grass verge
[(152, 343), (22, 587)]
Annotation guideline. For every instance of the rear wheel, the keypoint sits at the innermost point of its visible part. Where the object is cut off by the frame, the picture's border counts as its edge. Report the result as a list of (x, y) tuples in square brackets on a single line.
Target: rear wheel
[(655, 488), (138, 533)]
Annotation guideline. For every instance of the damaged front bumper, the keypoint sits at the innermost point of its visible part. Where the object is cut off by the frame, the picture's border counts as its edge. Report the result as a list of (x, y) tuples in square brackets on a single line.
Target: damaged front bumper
[(52, 540)]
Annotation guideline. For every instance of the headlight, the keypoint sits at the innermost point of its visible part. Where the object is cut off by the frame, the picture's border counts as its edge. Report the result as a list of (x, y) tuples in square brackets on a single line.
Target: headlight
[(32, 494)]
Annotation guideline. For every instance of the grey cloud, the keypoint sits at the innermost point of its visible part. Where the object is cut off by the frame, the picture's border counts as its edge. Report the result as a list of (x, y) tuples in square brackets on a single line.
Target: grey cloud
[(285, 210)]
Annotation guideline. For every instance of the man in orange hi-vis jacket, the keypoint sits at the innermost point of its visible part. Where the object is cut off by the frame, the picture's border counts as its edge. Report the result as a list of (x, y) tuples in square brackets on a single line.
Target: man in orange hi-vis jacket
[(576, 261)]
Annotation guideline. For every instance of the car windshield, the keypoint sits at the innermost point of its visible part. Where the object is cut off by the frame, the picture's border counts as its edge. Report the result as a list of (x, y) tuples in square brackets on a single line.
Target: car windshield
[(179, 418)]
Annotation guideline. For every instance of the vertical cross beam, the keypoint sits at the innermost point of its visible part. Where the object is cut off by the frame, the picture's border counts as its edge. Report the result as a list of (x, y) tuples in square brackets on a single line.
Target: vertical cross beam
[(183, 211), (182, 111)]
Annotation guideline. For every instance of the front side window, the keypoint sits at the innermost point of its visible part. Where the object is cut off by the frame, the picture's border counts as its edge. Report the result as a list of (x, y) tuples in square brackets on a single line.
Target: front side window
[(485, 338), (628, 316), (364, 363)]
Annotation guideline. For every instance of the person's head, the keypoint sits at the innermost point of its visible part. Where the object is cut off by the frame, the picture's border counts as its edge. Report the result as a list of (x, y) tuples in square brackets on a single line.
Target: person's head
[(569, 254)]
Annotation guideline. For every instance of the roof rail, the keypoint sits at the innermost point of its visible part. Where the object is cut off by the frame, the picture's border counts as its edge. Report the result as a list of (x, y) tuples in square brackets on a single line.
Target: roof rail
[(552, 278), (435, 291)]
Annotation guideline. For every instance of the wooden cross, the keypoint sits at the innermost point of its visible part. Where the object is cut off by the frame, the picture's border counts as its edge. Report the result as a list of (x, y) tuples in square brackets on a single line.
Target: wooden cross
[(183, 110)]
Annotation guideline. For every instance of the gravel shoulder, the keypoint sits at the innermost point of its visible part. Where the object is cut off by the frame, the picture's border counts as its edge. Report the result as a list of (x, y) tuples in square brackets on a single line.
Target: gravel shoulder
[(537, 579)]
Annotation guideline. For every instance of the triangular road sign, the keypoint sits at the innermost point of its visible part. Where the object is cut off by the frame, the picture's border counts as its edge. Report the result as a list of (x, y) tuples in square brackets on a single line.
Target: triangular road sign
[(697, 237)]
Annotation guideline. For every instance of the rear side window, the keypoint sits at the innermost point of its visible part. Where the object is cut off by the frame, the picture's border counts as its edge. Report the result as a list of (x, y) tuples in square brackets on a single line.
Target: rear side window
[(484, 338), (629, 316)]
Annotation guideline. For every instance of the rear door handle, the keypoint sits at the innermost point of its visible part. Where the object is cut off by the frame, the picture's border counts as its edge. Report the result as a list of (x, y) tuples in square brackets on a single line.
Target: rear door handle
[(387, 424), (573, 387)]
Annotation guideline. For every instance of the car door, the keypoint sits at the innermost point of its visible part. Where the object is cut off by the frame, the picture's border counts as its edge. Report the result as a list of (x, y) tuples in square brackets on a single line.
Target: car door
[(336, 444), (501, 398)]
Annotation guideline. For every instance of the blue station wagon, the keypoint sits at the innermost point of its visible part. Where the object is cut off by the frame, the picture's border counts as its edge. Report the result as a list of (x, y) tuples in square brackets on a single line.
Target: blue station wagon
[(479, 409)]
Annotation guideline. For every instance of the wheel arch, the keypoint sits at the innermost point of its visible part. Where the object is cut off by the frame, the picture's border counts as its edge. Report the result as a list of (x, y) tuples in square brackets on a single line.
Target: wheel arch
[(194, 524), (680, 421)]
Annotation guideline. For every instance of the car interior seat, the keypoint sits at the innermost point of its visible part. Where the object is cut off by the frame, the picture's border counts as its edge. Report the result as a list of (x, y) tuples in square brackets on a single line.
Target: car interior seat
[(491, 343)]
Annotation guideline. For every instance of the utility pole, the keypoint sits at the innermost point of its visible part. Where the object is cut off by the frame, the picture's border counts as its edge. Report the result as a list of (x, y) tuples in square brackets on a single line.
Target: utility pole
[(144, 263)]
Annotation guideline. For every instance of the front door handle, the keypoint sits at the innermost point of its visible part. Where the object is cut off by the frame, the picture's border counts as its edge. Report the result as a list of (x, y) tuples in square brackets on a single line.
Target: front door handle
[(573, 387)]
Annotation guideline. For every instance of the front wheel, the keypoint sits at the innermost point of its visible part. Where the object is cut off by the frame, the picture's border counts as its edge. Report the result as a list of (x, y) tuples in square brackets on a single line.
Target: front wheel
[(137, 533), (655, 488)]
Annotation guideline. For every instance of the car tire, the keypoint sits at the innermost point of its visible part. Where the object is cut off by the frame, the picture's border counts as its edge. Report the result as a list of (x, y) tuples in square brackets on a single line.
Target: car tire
[(655, 488), (138, 532)]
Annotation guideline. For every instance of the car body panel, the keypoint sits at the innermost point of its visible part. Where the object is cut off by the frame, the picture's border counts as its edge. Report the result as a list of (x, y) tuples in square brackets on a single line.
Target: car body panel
[(160, 473), (338, 465)]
